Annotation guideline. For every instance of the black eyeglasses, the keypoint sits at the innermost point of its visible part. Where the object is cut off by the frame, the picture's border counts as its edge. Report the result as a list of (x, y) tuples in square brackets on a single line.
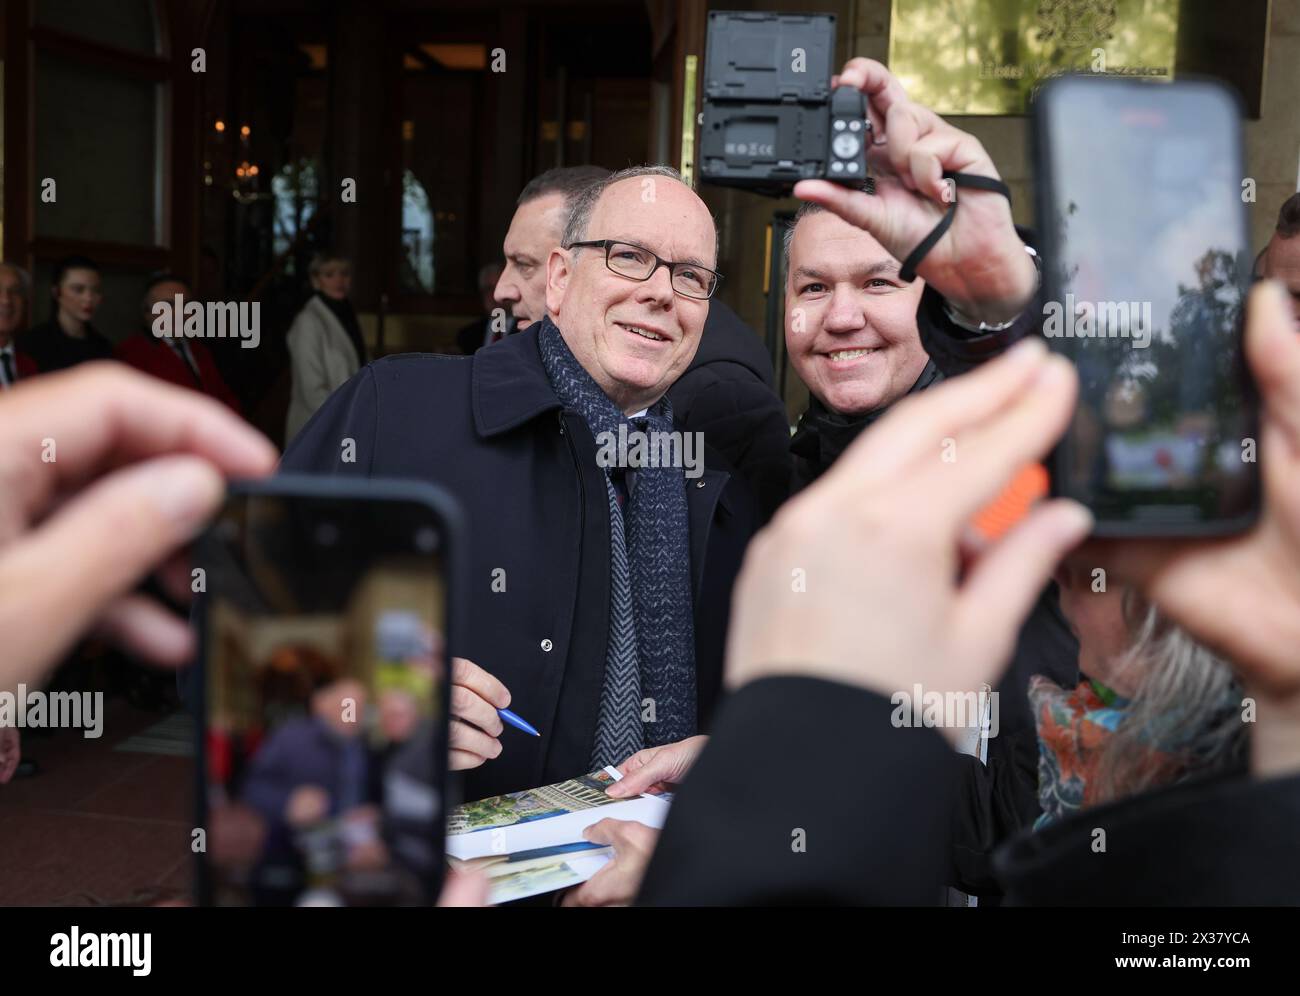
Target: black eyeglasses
[(628, 259)]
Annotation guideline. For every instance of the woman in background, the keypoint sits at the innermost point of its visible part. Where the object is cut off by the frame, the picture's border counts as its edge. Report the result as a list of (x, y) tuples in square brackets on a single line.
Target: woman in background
[(1154, 707), (325, 343), (69, 338)]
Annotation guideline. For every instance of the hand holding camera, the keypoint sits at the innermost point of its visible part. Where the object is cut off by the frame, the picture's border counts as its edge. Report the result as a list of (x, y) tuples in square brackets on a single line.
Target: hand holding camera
[(980, 265)]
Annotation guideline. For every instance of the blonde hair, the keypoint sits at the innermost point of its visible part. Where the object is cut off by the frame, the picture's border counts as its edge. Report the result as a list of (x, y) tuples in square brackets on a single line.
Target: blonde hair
[(1187, 704), (322, 259)]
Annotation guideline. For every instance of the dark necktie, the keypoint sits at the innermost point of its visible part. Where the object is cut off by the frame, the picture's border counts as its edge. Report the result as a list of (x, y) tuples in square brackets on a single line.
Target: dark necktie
[(7, 362), (624, 478), (618, 477), (182, 348)]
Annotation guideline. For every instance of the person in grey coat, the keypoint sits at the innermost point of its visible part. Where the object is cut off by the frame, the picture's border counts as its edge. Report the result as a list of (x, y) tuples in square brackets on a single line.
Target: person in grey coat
[(325, 343)]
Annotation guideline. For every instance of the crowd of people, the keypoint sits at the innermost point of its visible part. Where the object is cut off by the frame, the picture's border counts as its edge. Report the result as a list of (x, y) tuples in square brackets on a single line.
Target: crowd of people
[(69, 336), (739, 636), (325, 341)]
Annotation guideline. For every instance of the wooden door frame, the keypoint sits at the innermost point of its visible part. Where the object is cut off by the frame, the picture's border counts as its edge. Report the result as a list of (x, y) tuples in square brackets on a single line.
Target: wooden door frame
[(181, 26)]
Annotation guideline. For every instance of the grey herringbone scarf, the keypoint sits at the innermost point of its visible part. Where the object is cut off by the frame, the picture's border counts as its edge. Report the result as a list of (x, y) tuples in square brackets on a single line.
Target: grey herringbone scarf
[(650, 653)]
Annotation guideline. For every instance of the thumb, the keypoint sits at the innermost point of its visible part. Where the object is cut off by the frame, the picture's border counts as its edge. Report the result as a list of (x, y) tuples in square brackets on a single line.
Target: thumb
[(98, 545), (657, 768), (609, 832)]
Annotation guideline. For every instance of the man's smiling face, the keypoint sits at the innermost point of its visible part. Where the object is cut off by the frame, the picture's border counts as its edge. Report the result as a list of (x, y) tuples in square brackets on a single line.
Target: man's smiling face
[(850, 322), (634, 337), (534, 231)]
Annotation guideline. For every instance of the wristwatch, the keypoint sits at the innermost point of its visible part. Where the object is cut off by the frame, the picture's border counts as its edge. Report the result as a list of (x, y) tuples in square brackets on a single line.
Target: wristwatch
[(980, 328)]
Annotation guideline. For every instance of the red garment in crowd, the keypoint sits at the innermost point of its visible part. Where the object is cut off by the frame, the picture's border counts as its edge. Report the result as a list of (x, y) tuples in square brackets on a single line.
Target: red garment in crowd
[(21, 367), (24, 365), (153, 355)]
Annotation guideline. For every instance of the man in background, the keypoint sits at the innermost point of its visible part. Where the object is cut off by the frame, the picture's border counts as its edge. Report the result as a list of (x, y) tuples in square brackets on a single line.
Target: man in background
[(488, 329), (15, 291), (175, 359), (14, 288), (540, 213)]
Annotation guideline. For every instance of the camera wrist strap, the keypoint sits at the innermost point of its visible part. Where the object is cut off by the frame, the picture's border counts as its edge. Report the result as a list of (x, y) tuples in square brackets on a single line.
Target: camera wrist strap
[(908, 273)]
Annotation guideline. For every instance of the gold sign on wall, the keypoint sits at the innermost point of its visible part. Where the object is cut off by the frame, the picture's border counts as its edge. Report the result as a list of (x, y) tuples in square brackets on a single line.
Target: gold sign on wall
[(689, 74), (986, 56)]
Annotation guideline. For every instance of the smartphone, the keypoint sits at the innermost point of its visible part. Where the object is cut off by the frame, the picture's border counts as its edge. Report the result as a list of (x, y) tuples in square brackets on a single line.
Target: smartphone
[(325, 614), (1146, 247)]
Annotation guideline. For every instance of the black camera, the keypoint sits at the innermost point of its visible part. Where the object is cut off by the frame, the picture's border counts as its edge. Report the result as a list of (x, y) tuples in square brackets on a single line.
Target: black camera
[(770, 116)]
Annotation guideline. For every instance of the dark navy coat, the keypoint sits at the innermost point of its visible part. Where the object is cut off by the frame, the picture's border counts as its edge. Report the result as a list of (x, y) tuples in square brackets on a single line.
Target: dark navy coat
[(490, 430)]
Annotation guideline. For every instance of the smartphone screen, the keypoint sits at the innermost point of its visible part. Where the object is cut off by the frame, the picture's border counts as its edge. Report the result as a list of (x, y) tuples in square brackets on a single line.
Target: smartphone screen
[(1147, 265), (324, 682)]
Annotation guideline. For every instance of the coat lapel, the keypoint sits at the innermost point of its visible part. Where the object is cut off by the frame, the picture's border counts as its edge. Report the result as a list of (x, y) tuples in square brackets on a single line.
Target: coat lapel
[(702, 498)]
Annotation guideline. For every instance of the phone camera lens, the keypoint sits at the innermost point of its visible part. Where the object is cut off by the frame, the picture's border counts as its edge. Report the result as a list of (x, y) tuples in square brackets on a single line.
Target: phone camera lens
[(426, 539), (327, 534)]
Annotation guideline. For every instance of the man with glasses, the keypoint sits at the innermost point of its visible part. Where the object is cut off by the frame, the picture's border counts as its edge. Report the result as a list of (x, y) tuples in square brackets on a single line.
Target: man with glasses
[(727, 391), (544, 205), (596, 579)]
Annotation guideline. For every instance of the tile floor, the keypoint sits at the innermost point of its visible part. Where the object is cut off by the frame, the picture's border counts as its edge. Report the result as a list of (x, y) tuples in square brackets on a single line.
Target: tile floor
[(97, 825)]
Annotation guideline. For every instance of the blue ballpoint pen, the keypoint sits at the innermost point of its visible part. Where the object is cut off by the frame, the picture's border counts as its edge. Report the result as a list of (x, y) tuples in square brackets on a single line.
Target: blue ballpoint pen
[(517, 723)]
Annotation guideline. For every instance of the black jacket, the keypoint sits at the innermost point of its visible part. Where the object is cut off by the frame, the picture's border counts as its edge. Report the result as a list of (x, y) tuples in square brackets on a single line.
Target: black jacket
[(873, 811), (822, 435), (727, 394), (53, 349), (806, 794), (469, 338), (1229, 840), (490, 430)]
